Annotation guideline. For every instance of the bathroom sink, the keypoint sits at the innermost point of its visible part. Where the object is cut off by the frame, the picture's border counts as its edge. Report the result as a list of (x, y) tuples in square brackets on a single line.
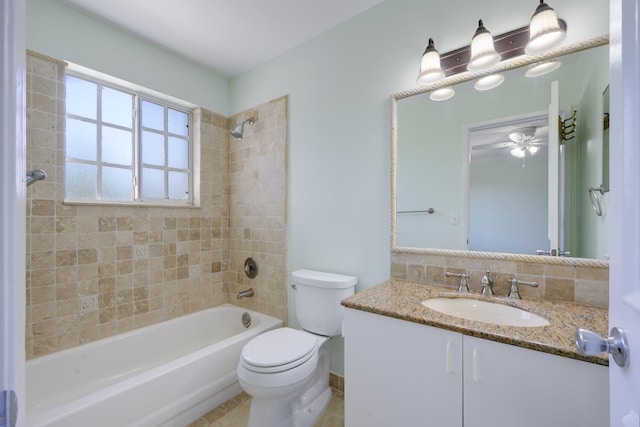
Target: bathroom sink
[(485, 311)]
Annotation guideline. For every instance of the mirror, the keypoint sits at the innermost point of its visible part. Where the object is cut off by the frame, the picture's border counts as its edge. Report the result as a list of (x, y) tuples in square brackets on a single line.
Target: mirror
[(488, 171)]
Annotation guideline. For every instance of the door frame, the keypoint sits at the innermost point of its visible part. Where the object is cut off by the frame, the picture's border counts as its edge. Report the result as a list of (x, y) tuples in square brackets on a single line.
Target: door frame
[(13, 202)]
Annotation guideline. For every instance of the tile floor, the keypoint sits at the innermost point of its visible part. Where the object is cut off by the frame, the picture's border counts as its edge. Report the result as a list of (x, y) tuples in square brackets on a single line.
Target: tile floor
[(235, 413)]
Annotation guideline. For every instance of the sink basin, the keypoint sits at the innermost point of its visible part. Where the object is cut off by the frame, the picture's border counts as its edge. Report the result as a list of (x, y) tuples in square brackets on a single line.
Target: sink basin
[(485, 311)]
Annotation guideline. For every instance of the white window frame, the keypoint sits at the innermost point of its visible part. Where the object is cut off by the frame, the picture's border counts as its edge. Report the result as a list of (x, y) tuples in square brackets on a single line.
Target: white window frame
[(140, 94)]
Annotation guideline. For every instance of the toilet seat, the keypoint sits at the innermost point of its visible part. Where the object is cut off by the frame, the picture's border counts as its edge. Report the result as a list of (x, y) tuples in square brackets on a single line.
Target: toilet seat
[(278, 350)]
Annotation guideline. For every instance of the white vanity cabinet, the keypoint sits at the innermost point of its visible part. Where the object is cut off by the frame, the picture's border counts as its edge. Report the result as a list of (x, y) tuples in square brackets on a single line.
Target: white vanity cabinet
[(506, 386), (399, 373)]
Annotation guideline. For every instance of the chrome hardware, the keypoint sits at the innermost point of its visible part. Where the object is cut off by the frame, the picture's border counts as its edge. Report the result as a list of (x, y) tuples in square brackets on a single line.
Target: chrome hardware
[(36, 175), (595, 199), (250, 268), (245, 294), (8, 408), (429, 211), (293, 286), (514, 293), (246, 319), (487, 284), (589, 343), (553, 252), (464, 283)]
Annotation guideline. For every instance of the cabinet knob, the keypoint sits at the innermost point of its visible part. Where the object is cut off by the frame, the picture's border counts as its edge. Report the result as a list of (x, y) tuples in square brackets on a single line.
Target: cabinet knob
[(589, 343)]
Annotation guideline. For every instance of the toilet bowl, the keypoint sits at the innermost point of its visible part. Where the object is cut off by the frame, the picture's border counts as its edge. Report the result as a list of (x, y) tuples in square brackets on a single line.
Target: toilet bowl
[(286, 371), (280, 383)]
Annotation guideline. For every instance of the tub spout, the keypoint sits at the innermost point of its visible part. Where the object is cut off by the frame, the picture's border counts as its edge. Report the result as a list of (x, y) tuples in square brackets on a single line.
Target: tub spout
[(244, 294)]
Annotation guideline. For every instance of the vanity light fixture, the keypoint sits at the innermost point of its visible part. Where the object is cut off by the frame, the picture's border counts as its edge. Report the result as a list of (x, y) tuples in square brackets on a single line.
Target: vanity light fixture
[(483, 52), (546, 31), (442, 94), (430, 70), (489, 82), (542, 68)]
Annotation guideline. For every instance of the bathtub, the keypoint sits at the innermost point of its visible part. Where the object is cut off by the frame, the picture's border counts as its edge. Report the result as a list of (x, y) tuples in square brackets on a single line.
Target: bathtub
[(167, 374)]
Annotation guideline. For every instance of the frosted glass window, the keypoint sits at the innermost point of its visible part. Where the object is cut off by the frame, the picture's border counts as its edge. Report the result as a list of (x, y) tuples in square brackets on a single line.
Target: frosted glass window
[(178, 153), (153, 183), (81, 181), (178, 186), (123, 147), (82, 97), (152, 115), (117, 146), (81, 139), (178, 122), (152, 148), (116, 183), (117, 107)]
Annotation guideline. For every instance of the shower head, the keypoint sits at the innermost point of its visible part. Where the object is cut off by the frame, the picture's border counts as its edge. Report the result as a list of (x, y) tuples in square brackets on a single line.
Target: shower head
[(237, 131)]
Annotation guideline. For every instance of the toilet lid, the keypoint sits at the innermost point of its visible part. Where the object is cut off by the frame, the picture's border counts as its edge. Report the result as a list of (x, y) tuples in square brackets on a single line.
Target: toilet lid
[(283, 348)]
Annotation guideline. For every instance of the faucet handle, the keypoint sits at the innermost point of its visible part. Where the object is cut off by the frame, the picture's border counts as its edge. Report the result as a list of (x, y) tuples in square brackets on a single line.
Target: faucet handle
[(514, 293), (464, 282)]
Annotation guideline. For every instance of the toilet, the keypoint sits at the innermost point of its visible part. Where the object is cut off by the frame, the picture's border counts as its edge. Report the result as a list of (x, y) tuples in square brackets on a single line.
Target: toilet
[(286, 370)]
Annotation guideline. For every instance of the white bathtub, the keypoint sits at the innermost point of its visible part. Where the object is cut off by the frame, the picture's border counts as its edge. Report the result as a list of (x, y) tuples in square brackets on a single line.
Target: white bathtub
[(167, 374)]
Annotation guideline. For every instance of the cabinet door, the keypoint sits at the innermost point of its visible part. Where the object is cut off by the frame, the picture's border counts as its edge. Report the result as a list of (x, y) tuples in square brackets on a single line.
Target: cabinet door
[(506, 386), (399, 373)]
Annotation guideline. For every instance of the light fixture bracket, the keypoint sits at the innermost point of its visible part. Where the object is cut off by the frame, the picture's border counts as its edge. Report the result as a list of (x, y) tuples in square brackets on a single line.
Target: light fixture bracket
[(509, 45)]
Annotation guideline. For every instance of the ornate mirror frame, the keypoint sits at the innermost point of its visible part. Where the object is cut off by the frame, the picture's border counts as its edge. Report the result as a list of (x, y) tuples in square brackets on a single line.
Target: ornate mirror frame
[(461, 78)]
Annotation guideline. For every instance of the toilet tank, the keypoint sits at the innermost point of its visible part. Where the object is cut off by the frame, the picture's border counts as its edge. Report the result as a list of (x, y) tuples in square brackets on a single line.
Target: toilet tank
[(317, 296)]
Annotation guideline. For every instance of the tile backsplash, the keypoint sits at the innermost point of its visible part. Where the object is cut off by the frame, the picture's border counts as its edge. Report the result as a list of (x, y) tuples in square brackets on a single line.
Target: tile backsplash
[(556, 282), (95, 271)]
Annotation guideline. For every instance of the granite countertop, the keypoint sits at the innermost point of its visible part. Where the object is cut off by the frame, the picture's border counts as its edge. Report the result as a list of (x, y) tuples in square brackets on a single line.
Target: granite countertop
[(403, 300)]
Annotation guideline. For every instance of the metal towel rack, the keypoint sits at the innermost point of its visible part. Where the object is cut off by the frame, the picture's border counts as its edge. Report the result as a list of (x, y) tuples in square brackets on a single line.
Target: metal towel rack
[(428, 211)]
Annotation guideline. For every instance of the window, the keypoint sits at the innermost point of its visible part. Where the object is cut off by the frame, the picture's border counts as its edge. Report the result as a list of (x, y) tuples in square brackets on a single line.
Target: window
[(124, 147)]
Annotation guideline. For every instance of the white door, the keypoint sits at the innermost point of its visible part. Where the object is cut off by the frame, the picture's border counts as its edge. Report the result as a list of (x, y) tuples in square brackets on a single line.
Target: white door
[(624, 293), (12, 211)]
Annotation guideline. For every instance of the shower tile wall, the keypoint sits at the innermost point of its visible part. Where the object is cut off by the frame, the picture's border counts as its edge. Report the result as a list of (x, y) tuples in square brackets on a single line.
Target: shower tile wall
[(258, 197), (95, 271)]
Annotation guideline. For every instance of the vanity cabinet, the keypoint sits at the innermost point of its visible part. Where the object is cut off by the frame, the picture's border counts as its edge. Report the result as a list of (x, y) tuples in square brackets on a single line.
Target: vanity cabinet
[(400, 373), (406, 374)]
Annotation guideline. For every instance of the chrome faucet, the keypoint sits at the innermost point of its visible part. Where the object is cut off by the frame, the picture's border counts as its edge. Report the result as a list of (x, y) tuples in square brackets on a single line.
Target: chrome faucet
[(487, 284), (513, 292), (246, 293), (464, 282)]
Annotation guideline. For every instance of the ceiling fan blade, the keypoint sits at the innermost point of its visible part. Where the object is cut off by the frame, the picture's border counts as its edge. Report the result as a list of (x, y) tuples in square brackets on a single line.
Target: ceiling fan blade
[(493, 145)]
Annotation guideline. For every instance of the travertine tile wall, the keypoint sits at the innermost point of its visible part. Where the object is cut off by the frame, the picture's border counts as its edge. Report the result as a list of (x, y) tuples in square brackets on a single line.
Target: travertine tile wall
[(585, 285), (258, 197), (95, 271)]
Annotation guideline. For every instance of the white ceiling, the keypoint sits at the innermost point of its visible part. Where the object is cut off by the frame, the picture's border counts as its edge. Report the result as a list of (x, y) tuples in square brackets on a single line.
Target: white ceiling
[(227, 36)]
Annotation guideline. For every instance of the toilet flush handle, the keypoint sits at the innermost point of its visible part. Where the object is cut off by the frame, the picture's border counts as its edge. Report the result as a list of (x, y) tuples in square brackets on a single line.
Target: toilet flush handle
[(293, 286)]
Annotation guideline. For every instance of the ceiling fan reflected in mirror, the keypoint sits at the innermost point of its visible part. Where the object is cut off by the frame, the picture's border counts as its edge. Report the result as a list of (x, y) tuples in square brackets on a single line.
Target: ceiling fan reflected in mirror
[(525, 141), (506, 141)]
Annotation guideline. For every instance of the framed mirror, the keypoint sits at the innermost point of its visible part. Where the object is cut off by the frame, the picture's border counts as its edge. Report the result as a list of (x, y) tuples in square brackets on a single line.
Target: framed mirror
[(504, 173)]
